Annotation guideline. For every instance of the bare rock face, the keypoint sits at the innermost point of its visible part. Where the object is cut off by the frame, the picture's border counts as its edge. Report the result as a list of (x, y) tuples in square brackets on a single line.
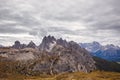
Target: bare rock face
[(47, 43), (64, 57), (62, 42), (19, 54), (31, 45), (18, 45), (61, 60)]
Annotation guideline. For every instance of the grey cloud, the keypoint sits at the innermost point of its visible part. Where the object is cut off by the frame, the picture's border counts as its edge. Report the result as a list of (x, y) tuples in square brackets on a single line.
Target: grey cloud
[(10, 29), (99, 17), (98, 14)]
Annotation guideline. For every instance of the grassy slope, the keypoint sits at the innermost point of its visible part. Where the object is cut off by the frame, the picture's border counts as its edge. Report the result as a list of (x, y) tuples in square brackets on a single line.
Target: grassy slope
[(97, 75)]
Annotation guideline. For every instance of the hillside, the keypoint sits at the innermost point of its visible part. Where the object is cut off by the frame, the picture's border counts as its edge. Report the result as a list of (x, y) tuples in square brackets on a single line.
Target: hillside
[(8, 72), (105, 65)]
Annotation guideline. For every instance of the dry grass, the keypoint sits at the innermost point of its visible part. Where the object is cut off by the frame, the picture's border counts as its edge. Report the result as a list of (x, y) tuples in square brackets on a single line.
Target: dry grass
[(97, 75)]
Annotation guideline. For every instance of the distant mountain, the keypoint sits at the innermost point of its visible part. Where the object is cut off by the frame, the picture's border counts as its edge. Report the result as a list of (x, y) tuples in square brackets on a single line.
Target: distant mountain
[(91, 47), (18, 45), (31, 45), (108, 52), (1, 46), (49, 42)]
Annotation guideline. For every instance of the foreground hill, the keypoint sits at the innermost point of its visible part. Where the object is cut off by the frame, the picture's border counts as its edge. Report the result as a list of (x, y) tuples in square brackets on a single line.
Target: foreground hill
[(8, 71)]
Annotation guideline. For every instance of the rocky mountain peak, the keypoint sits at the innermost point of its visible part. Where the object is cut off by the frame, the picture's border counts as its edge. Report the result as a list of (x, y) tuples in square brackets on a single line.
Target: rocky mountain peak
[(31, 45), (1, 45), (48, 39), (108, 52), (18, 45), (111, 46), (62, 42), (95, 43), (91, 47), (17, 42), (47, 43)]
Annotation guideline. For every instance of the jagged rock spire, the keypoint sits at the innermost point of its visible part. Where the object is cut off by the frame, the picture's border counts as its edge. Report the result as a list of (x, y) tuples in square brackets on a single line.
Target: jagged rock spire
[(18, 45), (47, 43), (31, 45)]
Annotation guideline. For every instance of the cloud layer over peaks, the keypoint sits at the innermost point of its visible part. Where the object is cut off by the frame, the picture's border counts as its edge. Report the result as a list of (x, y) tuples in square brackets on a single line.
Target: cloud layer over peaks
[(79, 20)]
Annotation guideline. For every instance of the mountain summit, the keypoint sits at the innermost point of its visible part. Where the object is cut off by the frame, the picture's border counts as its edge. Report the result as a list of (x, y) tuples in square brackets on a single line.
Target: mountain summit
[(108, 52), (47, 43), (31, 45), (18, 45)]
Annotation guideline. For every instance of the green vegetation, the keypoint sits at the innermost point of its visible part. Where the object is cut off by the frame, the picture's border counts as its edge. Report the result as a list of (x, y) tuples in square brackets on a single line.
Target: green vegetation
[(106, 65)]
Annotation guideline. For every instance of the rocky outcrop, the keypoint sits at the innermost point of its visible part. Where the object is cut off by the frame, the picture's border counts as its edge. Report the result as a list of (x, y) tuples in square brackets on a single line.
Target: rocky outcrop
[(61, 59), (47, 43), (64, 57), (31, 45), (19, 54), (62, 42), (18, 45)]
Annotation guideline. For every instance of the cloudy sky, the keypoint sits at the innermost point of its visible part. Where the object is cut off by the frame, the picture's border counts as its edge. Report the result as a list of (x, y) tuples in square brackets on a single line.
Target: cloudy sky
[(78, 20)]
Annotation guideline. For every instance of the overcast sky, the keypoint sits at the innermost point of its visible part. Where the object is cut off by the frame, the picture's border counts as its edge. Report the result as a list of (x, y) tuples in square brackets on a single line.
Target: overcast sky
[(78, 20)]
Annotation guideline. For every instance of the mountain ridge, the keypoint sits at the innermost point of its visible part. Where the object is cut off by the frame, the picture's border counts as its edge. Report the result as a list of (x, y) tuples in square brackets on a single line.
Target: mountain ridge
[(53, 56), (109, 52)]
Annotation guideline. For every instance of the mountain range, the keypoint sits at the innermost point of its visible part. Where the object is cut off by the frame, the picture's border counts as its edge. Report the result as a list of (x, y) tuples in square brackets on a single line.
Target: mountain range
[(53, 56), (108, 52)]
